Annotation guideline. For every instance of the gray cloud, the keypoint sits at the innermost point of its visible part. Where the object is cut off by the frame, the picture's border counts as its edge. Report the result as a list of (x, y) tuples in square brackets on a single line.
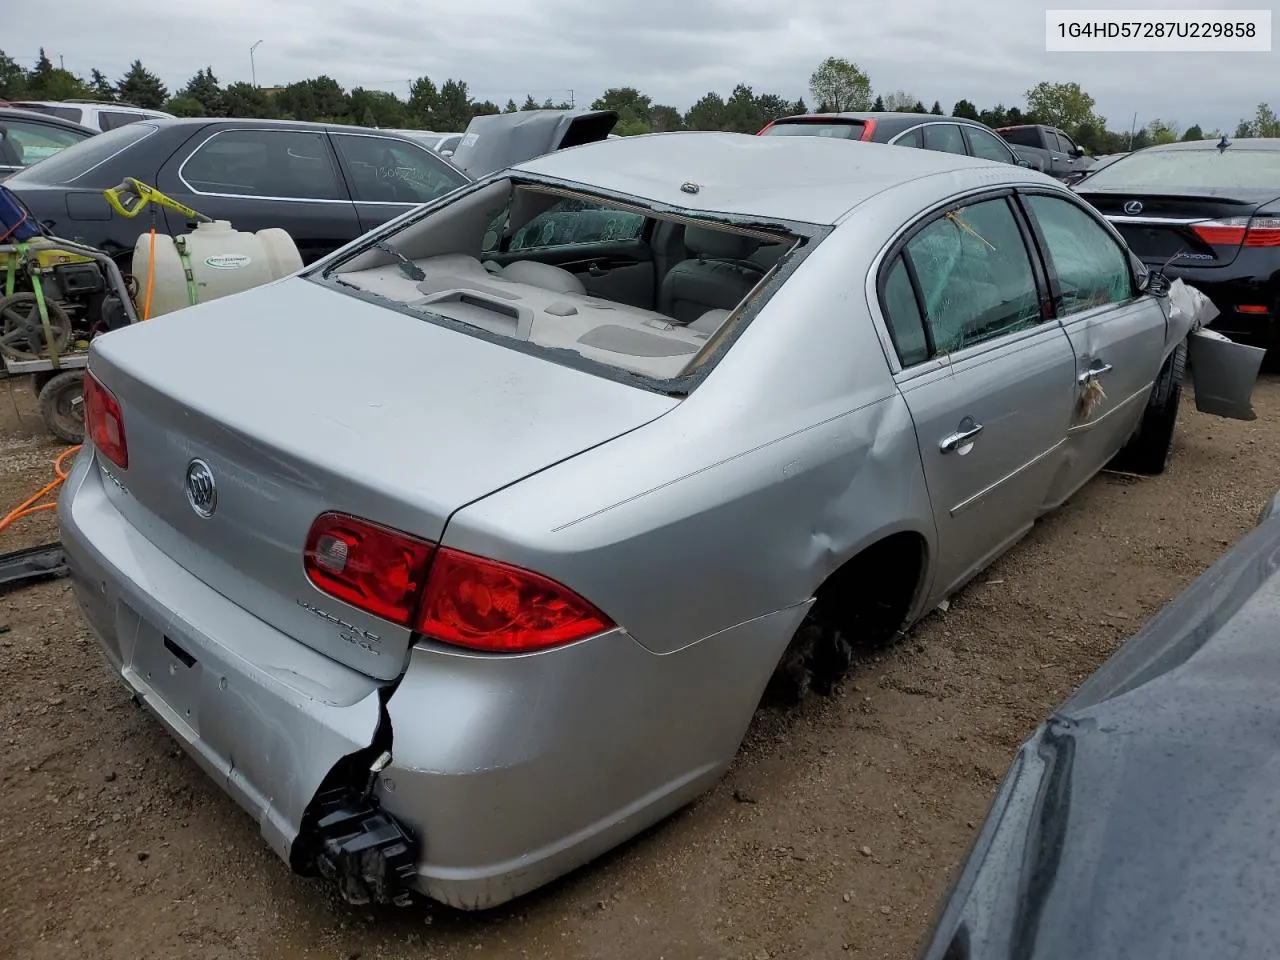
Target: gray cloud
[(673, 50)]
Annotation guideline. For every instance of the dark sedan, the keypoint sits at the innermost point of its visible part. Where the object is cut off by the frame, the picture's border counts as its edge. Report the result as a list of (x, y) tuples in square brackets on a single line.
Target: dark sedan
[(325, 184), (1141, 821), (925, 130), (27, 137), (1211, 210)]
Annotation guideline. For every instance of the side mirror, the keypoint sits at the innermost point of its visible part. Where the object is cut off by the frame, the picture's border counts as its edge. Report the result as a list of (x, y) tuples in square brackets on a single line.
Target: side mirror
[(1024, 163), (1079, 152), (1157, 284)]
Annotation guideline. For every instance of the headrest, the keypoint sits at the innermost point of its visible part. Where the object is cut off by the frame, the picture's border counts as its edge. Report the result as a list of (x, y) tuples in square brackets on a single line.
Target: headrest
[(719, 244)]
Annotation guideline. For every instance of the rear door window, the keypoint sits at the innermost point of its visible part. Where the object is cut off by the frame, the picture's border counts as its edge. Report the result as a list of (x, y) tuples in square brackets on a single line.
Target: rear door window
[(987, 145), (280, 164), (945, 137), (383, 170), (975, 275), (912, 138)]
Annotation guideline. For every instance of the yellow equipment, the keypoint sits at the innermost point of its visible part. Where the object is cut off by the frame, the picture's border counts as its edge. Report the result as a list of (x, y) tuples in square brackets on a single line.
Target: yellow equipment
[(132, 196)]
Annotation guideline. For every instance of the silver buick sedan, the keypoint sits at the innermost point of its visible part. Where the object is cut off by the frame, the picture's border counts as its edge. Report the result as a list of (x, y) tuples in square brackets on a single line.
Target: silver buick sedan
[(468, 552)]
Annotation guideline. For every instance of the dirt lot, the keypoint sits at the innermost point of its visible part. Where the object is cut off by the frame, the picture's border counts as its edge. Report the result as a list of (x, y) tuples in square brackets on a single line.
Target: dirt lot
[(837, 828)]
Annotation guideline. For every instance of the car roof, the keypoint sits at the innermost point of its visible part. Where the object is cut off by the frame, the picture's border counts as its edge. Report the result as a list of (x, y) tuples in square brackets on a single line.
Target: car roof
[(167, 123), (1245, 143), (880, 115), (46, 118), (808, 179)]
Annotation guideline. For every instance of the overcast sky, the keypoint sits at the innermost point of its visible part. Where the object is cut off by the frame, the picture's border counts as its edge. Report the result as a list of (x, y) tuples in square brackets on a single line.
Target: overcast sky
[(987, 51)]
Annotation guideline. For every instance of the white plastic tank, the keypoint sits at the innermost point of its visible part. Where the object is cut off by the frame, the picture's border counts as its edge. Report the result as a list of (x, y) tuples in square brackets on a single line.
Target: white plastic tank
[(223, 261)]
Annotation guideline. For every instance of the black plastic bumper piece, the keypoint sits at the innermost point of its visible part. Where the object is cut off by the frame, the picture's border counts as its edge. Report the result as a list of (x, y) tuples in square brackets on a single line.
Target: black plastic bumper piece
[(33, 563), (363, 849)]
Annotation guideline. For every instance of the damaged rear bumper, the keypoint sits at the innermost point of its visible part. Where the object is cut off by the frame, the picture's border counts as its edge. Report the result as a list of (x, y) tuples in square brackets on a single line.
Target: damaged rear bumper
[(504, 772), (284, 730)]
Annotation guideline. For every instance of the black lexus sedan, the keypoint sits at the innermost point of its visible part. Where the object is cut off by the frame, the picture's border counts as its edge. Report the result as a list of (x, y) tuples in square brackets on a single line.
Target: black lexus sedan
[(1210, 210), (1142, 821)]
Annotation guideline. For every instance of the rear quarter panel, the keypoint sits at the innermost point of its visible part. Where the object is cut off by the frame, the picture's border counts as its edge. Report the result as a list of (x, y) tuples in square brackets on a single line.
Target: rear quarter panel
[(796, 452)]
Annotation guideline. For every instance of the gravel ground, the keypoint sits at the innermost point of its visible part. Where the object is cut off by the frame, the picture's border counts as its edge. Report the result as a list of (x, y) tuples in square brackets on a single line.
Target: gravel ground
[(834, 834)]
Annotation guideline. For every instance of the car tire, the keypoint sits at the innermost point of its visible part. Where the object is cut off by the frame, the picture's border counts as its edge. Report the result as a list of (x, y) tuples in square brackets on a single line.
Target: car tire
[(818, 657), (62, 406), (1147, 452)]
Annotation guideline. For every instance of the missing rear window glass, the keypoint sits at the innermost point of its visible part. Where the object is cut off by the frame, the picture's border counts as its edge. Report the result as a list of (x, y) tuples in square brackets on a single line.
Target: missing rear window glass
[(648, 292)]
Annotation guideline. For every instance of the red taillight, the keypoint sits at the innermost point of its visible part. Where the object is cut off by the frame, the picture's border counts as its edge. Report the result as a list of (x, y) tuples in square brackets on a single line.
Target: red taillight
[(868, 128), (1240, 231), (1254, 308), (478, 603), (446, 595), (104, 424), (371, 567), (1263, 232)]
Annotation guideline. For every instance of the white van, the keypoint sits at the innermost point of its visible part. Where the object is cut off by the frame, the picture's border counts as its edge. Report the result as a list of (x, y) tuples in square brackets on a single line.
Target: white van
[(102, 115)]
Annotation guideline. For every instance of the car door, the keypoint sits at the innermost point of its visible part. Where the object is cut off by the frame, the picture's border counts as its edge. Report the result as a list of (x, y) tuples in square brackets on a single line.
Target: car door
[(988, 377), (259, 177), (1117, 334), (1060, 161), (387, 175), (606, 248)]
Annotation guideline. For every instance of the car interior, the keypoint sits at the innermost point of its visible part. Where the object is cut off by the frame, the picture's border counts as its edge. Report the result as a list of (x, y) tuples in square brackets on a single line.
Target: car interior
[(619, 284)]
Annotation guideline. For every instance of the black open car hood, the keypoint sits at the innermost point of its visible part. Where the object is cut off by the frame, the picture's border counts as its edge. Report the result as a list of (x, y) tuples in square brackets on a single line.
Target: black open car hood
[(500, 140), (1143, 820)]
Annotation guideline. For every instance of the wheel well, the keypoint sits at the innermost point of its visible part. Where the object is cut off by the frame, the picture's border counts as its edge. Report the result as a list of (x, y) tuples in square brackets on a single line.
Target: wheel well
[(869, 596)]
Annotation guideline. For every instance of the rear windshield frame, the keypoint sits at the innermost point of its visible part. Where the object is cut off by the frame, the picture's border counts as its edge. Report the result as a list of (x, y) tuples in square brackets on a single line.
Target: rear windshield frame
[(809, 236), (1119, 174), (85, 156)]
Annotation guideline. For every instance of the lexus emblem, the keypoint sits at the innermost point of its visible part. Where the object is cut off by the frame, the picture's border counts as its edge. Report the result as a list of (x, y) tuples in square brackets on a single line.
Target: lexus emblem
[(1133, 207), (202, 492)]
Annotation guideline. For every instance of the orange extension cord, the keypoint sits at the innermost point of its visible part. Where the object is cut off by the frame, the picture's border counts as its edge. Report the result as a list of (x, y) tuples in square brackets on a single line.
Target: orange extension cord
[(32, 504)]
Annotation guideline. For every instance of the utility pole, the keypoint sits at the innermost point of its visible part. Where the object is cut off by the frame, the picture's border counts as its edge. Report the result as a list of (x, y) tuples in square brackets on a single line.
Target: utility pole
[(253, 70), (571, 103)]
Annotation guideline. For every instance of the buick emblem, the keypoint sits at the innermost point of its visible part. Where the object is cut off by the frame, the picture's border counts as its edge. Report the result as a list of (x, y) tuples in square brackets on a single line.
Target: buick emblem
[(202, 492), (1132, 207)]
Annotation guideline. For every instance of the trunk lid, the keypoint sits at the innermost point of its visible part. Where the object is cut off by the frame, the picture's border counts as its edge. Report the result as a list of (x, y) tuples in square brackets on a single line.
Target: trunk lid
[(1175, 226), (302, 400), (501, 140)]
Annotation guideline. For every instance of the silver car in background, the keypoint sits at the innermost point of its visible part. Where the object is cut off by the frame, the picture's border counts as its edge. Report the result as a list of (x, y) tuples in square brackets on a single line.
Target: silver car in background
[(480, 561)]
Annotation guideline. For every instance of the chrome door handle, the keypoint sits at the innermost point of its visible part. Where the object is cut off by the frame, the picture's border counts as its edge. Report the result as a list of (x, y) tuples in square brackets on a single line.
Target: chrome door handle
[(1093, 373), (959, 438)]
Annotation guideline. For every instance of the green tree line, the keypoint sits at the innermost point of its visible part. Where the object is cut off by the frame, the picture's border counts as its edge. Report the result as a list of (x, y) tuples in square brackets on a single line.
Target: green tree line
[(836, 85)]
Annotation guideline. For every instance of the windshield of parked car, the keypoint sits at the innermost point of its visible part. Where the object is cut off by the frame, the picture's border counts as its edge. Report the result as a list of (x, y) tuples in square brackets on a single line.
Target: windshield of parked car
[(77, 160), (840, 129), (560, 272), (1192, 170)]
